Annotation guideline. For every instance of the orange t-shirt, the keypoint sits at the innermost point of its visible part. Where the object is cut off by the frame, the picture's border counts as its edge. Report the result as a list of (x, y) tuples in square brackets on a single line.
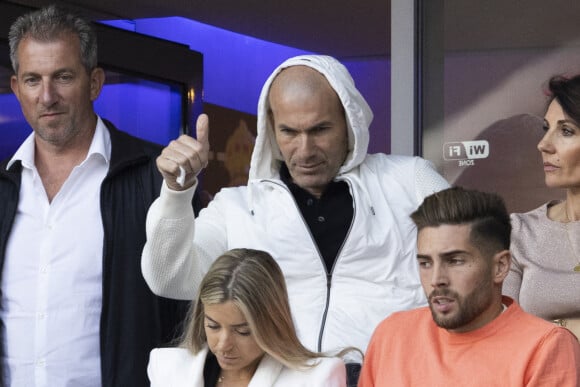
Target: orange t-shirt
[(515, 349)]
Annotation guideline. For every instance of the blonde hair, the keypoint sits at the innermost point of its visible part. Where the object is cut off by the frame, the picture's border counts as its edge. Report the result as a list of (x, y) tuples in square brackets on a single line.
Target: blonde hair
[(253, 281)]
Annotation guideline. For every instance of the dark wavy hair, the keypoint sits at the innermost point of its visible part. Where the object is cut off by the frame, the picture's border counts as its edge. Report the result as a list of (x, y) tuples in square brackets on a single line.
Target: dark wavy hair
[(567, 92)]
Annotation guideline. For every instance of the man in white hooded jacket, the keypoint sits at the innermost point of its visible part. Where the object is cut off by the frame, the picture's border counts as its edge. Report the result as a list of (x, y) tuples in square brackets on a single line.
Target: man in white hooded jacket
[(335, 218)]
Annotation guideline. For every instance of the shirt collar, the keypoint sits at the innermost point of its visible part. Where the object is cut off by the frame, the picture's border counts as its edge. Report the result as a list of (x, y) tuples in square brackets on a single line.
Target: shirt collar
[(333, 188), (100, 146)]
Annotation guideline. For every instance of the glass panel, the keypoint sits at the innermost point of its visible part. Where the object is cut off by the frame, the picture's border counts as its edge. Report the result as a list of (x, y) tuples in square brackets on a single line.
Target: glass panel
[(238, 86), (13, 129), (484, 71), (142, 107)]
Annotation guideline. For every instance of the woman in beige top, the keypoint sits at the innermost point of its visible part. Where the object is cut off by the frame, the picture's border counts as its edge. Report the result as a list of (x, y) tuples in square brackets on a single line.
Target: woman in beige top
[(545, 272)]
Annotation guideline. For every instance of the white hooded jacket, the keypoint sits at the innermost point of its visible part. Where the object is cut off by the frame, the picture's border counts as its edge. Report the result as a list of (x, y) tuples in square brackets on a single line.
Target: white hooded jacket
[(375, 272)]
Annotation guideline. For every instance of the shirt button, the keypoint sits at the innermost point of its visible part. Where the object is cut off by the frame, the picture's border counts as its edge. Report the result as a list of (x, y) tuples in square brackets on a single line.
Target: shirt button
[(41, 363), (309, 202), (44, 269), (40, 315), (321, 219)]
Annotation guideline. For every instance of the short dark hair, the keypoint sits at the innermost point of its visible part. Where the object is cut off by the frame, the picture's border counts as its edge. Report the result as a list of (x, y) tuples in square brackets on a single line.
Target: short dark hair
[(485, 211), (48, 24), (567, 92)]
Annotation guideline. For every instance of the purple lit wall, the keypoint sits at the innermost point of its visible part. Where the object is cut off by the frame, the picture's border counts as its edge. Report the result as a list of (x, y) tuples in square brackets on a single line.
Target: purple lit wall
[(145, 109), (371, 76), (13, 128), (236, 66)]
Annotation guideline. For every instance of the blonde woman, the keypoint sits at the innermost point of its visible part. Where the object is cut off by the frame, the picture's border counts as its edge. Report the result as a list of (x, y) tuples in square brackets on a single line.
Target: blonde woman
[(239, 332)]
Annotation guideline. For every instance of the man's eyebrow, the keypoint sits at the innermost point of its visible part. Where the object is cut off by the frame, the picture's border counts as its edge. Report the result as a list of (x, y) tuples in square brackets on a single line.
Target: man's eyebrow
[(453, 253), (447, 254), (312, 127), (53, 73)]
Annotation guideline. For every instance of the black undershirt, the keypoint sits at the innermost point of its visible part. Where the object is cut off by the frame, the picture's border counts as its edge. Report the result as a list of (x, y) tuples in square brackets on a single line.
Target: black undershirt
[(211, 370), (328, 218)]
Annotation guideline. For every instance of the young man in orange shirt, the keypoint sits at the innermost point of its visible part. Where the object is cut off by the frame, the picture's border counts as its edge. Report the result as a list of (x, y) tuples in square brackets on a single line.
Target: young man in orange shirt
[(470, 335)]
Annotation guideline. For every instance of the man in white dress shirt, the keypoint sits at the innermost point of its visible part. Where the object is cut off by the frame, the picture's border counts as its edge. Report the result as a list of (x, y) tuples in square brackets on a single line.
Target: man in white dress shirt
[(74, 309)]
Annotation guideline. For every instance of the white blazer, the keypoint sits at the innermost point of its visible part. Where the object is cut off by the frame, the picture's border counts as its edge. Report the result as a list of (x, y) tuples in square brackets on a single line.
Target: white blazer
[(177, 367)]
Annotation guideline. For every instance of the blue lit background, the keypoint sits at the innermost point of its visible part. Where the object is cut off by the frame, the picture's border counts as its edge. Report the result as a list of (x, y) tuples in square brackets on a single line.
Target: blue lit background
[(235, 67), (146, 109)]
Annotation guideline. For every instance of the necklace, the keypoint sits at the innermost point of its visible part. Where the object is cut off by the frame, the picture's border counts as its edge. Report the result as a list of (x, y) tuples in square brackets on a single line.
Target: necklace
[(222, 379), (244, 375), (577, 267)]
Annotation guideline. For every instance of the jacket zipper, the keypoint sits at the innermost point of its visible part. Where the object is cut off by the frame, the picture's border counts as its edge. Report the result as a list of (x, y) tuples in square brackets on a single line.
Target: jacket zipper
[(328, 274)]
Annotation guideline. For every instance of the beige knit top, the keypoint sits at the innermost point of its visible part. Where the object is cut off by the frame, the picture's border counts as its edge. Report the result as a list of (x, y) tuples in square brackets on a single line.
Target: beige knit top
[(544, 253)]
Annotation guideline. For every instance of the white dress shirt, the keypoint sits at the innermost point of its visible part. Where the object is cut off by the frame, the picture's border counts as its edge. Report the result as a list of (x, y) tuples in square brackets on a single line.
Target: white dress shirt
[(52, 275)]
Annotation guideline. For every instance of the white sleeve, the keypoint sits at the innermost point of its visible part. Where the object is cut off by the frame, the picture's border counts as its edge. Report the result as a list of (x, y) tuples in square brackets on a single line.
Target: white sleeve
[(427, 179), (173, 265), (332, 372), (152, 369)]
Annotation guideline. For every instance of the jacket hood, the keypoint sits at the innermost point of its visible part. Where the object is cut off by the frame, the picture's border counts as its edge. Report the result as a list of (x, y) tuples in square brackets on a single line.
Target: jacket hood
[(266, 157)]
